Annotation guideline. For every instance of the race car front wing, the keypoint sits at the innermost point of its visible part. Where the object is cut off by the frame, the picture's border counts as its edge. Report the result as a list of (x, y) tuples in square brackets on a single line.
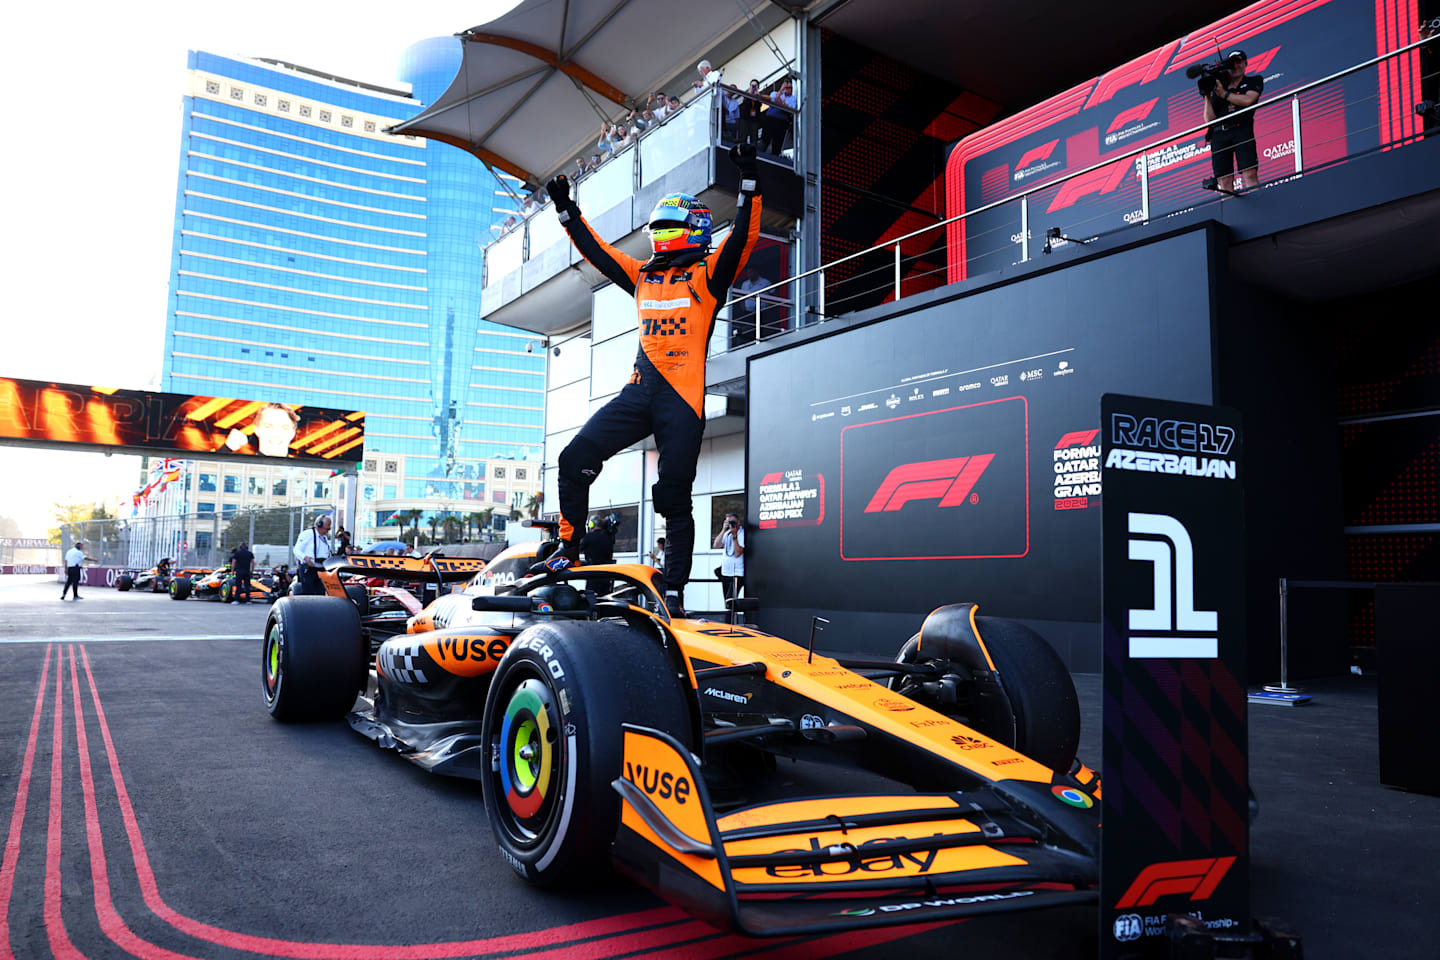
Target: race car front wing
[(815, 864)]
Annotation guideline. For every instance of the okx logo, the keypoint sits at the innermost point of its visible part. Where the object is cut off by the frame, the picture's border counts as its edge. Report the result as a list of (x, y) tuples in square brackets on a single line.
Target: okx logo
[(949, 481), (1199, 878), (1172, 627)]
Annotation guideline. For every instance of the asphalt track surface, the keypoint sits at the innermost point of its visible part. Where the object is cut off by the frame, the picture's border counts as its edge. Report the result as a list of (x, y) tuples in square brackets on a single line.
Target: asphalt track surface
[(154, 810)]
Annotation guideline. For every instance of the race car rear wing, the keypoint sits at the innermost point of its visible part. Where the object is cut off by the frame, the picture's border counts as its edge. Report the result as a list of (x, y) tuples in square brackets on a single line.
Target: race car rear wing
[(432, 567), (821, 864)]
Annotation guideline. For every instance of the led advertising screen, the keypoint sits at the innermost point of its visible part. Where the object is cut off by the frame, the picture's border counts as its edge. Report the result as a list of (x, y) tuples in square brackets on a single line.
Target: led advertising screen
[(1288, 42), (950, 453), (67, 414)]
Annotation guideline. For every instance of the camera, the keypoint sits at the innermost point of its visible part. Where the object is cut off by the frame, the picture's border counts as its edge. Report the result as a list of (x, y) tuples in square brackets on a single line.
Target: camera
[(1428, 110), (1205, 75)]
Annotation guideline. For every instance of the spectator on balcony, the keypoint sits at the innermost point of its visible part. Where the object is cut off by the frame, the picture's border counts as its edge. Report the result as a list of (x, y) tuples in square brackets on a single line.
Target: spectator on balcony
[(751, 115), (606, 143), (508, 224), (638, 123), (708, 75), (660, 104), (582, 169), (594, 161), (778, 121), (620, 138), (674, 106)]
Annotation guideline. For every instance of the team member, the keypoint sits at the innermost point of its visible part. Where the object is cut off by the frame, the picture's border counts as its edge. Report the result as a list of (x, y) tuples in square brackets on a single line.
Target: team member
[(311, 552), (242, 563), (678, 292), (74, 557)]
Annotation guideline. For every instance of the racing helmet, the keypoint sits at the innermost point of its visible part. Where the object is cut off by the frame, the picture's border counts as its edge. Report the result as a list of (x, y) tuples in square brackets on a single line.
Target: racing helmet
[(679, 222), (559, 598)]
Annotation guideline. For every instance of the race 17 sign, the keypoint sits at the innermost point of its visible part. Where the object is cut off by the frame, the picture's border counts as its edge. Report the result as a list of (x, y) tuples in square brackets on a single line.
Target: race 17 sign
[(1175, 768)]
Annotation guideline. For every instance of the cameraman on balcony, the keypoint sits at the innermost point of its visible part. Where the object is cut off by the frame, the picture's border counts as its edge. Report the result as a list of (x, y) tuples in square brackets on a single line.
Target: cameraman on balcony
[(1232, 142)]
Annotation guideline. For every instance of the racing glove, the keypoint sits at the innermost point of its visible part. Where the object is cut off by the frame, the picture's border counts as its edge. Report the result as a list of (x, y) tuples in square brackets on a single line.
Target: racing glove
[(743, 156), (559, 190)]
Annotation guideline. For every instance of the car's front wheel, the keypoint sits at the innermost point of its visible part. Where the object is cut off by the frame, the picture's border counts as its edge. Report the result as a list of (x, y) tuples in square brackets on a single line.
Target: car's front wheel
[(313, 660), (180, 588), (124, 582), (553, 728)]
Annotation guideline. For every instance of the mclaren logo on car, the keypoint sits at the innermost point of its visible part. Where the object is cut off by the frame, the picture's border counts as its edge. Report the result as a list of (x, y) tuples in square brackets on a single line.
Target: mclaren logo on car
[(716, 692)]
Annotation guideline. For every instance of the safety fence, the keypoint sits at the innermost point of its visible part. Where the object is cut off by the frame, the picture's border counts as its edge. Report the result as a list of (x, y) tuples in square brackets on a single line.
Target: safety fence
[(1296, 131), (194, 539)]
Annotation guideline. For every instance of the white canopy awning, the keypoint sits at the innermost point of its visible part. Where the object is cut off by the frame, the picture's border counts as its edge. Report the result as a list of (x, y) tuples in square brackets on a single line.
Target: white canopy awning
[(534, 84)]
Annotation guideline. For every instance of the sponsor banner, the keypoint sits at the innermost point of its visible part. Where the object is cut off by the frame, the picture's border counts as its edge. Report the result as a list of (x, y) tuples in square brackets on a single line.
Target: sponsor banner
[(40, 413), (26, 543), (947, 484), (791, 498), (92, 576), (1175, 734), (25, 569), (1149, 101)]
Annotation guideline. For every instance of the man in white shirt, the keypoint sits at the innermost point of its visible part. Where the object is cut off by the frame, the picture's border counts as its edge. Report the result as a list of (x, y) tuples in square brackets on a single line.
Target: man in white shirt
[(731, 539), (74, 557), (312, 549), (708, 75)]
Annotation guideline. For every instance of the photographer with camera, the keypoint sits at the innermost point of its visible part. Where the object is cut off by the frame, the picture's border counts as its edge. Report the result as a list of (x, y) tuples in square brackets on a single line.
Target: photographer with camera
[(1228, 88), (731, 571)]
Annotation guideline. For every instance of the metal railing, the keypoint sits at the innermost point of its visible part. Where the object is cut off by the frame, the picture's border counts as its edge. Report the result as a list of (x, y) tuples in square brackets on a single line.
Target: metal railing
[(194, 539), (648, 156), (895, 282)]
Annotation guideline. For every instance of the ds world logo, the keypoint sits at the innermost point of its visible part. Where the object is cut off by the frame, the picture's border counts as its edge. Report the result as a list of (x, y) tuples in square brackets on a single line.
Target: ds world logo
[(951, 481), (1169, 628)]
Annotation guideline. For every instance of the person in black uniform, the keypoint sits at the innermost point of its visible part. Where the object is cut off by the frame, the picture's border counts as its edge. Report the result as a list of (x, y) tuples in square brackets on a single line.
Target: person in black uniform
[(1232, 142), (598, 546), (242, 563), (678, 293)]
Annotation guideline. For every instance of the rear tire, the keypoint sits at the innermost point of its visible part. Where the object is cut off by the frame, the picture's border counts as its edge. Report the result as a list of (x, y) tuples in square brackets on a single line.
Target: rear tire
[(553, 719), (313, 659), (227, 590), (360, 596), (124, 582), (180, 588)]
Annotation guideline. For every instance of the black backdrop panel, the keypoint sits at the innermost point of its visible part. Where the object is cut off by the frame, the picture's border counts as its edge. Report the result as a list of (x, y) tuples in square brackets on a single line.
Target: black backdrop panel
[(949, 453)]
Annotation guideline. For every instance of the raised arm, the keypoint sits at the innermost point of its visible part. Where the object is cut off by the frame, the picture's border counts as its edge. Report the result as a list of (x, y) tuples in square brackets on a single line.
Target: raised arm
[(737, 246), (620, 269)]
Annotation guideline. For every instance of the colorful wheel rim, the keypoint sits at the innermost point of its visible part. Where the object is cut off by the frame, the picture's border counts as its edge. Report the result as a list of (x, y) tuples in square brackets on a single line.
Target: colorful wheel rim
[(1076, 798), (528, 756), (272, 661), (225, 591)]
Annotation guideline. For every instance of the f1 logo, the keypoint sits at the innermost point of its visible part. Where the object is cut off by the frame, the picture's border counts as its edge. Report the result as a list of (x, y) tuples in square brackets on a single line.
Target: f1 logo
[(1172, 559), (1199, 878), (949, 481)]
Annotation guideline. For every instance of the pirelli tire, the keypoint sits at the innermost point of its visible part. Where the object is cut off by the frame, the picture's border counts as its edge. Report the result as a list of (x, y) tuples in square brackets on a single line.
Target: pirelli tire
[(359, 595), (227, 590), (180, 588), (552, 723), (313, 659), (1036, 684), (124, 582)]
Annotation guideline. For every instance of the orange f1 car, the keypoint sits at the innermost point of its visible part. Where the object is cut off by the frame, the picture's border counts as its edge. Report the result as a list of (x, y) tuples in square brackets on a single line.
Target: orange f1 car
[(606, 731)]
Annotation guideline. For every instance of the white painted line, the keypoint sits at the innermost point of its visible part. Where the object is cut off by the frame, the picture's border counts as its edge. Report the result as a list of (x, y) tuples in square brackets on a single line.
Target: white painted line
[(126, 639)]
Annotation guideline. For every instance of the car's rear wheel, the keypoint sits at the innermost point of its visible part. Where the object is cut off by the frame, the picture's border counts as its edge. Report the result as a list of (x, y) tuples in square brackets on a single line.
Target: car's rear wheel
[(313, 660), (1037, 686), (227, 590), (124, 582), (360, 596), (553, 722), (180, 588)]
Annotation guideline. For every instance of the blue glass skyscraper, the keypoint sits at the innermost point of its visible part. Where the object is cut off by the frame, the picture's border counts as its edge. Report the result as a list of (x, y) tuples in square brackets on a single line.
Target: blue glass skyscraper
[(319, 260)]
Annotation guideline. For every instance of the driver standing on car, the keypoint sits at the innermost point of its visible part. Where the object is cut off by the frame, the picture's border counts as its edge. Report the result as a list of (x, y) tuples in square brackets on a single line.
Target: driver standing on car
[(678, 293), (311, 552)]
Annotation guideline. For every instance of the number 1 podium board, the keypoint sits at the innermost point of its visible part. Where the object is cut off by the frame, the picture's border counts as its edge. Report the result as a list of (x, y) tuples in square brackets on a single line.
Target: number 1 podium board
[(1175, 828)]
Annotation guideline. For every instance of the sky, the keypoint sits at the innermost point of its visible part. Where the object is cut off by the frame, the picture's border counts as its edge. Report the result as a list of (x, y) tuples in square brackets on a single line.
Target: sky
[(93, 153)]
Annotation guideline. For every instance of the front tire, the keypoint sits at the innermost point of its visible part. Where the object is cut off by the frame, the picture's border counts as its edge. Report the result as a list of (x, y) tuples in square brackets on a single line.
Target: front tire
[(180, 588), (313, 660), (124, 582), (553, 722), (227, 590)]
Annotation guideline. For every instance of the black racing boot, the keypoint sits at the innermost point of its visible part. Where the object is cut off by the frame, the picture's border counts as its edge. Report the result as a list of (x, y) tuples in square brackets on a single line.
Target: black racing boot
[(554, 556), (675, 602)]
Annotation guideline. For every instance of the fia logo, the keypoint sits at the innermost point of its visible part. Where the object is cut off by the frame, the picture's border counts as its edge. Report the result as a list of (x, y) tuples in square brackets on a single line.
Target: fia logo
[(1127, 927), (1173, 619)]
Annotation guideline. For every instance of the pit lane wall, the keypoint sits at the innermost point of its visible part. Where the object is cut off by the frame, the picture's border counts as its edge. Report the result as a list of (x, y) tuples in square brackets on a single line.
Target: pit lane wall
[(945, 449)]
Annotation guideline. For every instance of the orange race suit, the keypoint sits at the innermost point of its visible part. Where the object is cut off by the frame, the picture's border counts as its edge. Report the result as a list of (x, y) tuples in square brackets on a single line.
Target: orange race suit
[(677, 296)]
